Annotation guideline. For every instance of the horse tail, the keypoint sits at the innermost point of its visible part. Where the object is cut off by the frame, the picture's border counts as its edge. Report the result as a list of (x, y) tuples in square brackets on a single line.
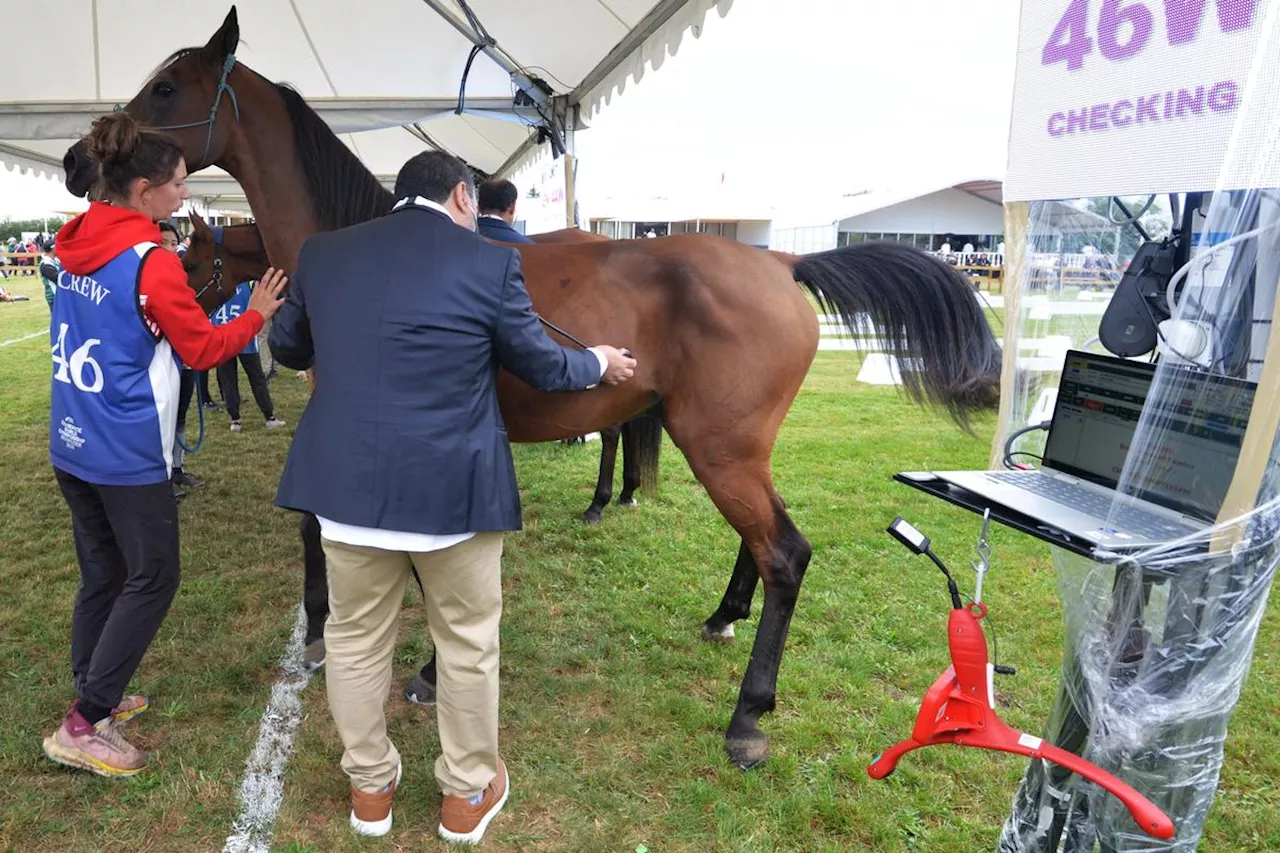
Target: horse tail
[(642, 444), (924, 313)]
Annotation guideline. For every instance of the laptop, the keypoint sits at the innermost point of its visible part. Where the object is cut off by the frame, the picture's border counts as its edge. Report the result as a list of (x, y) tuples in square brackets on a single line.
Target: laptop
[(1100, 399)]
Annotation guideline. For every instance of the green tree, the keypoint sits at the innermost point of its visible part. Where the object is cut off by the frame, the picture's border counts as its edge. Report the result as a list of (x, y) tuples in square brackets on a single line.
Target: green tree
[(1156, 221), (15, 227)]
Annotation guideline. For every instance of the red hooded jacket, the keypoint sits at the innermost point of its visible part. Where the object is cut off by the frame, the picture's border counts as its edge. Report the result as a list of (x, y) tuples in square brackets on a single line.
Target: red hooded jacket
[(95, 237)]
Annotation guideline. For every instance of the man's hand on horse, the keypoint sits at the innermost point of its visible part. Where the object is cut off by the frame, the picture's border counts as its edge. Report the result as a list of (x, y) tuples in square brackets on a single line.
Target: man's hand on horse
[(266, 298), (621, 366)]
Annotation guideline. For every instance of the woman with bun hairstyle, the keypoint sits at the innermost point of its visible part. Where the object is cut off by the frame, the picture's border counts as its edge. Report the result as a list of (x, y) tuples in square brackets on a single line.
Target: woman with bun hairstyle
[(123, 324)]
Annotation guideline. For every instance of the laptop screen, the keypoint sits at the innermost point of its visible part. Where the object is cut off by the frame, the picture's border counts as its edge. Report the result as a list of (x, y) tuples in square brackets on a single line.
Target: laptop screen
[(1200, 426)]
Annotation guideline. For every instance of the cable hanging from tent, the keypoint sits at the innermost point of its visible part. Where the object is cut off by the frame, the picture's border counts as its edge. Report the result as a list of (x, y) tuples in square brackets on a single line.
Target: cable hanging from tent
[(550, 130)]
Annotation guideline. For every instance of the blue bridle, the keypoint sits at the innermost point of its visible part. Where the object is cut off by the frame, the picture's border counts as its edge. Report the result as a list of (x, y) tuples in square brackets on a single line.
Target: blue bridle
[(215, 281), (223, 88)]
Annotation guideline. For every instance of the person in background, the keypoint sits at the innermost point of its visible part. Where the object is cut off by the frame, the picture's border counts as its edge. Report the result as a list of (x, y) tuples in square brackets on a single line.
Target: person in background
[(117, 334), (229, 375), (6, 296), (169, 239), (180, 478), (49, 271), (498, 211), (403, 458)]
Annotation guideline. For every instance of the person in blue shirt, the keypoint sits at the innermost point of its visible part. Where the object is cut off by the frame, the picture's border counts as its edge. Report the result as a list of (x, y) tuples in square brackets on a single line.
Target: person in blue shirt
[(250, 360)]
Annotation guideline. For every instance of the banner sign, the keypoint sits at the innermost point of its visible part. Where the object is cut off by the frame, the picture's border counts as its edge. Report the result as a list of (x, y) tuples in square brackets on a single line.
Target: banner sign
[(543, 198), (1124, 97)]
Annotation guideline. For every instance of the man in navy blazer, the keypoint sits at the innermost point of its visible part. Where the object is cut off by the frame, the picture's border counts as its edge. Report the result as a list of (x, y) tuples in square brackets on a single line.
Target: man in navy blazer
[(498, 211), (403, 458)]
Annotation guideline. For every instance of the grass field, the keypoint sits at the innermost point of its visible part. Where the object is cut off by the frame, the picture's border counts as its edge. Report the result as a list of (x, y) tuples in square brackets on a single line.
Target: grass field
[(613, 710)]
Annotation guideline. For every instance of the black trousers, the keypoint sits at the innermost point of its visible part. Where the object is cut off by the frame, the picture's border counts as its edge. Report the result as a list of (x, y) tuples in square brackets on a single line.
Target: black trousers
[(186, 392), (127, 546), (186, 388), (229, 378), (205, 394)]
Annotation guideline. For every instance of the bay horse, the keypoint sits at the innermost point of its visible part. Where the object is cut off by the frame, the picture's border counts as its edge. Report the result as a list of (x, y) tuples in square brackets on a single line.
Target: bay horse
[(218, 261), (722, 335)]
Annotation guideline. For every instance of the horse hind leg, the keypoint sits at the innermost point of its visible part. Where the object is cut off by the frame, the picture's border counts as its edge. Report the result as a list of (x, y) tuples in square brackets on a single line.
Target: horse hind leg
[(782, 557), (742, 489), (604, 482)]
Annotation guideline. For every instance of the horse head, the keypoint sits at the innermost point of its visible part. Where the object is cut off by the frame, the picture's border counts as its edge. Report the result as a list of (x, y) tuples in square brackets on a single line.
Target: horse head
[(190, 98), (216, 262)]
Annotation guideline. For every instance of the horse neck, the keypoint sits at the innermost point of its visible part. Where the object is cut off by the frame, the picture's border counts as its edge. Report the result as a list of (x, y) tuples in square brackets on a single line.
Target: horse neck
[(268, 172), (245, 252)]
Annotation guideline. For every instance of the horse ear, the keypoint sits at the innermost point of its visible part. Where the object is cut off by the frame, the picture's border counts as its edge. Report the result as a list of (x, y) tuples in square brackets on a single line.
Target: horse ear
[(225, 41), (199, 226)]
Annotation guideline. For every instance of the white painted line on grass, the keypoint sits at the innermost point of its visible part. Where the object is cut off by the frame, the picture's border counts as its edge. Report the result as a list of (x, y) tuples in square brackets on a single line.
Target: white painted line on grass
[(262, 790), (43, 331)]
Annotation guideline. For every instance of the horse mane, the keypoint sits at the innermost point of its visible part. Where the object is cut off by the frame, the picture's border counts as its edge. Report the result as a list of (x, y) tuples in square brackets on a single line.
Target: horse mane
[(343, 191)]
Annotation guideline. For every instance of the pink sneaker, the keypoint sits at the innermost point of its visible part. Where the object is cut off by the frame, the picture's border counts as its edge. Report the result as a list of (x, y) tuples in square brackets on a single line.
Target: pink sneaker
[(99, 749), (129, 707)]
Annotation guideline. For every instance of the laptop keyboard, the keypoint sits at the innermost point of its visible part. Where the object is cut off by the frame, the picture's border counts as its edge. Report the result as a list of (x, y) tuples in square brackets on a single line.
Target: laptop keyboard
[(1127, 518)]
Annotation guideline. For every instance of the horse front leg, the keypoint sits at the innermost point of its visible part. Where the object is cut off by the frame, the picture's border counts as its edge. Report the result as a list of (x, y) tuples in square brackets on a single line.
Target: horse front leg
[(315, 592), (630, 467), (736, 603), (421, 689)]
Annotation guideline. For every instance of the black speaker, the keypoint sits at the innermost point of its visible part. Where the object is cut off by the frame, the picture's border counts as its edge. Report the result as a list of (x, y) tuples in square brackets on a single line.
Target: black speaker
[(1128, 328)]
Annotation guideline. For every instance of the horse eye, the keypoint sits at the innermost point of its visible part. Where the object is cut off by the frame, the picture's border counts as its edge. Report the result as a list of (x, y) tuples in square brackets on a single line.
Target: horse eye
[(164, 89)]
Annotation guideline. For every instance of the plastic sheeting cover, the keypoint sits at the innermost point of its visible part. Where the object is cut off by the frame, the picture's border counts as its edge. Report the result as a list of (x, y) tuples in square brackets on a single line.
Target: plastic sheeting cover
[(1158, 643)]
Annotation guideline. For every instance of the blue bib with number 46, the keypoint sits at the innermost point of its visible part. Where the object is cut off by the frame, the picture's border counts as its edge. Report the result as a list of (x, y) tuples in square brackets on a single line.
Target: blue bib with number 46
[(233, 308), (113, 407)]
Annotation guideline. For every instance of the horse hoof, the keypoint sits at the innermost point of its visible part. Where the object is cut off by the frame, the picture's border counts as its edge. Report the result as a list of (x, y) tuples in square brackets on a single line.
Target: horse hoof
[(720, 636), (748, 750), (592, 516), (629, 502), (419, 691)]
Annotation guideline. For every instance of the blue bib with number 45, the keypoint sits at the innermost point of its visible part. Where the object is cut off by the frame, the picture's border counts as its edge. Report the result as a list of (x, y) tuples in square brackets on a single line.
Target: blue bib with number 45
[(233, 308)]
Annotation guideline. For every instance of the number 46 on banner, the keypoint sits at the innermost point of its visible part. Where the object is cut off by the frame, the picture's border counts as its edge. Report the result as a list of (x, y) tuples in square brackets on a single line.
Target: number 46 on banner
[(1124, 27)]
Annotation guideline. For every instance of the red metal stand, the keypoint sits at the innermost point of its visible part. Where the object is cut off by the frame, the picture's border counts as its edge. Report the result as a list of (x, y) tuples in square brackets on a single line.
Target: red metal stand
[(959, 708)]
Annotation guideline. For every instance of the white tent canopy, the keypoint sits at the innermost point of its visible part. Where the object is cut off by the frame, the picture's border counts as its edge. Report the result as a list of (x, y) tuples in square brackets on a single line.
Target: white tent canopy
[(385, 74)]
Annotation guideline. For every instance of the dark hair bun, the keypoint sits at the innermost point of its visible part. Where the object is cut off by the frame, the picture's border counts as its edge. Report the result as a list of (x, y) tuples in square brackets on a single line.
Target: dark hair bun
[(114, 138)]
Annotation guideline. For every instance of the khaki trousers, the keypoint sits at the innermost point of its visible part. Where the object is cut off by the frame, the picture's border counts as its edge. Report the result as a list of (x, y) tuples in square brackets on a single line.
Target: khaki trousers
[(463, 585)]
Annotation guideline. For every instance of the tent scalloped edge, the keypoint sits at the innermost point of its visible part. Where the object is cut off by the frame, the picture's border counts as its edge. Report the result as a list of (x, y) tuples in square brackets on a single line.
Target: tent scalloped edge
[(663, 42)]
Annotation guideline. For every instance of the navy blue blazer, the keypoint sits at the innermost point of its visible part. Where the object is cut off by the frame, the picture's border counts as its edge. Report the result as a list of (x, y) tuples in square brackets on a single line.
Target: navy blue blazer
[(407, 319), (498, 229)]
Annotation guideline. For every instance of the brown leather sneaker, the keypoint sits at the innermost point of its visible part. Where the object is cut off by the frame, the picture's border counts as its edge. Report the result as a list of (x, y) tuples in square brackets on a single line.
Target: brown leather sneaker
[(371, 812), (464, 823)]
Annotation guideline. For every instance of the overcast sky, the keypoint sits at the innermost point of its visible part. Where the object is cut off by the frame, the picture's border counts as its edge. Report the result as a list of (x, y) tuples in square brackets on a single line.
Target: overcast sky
[(792, 100)]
